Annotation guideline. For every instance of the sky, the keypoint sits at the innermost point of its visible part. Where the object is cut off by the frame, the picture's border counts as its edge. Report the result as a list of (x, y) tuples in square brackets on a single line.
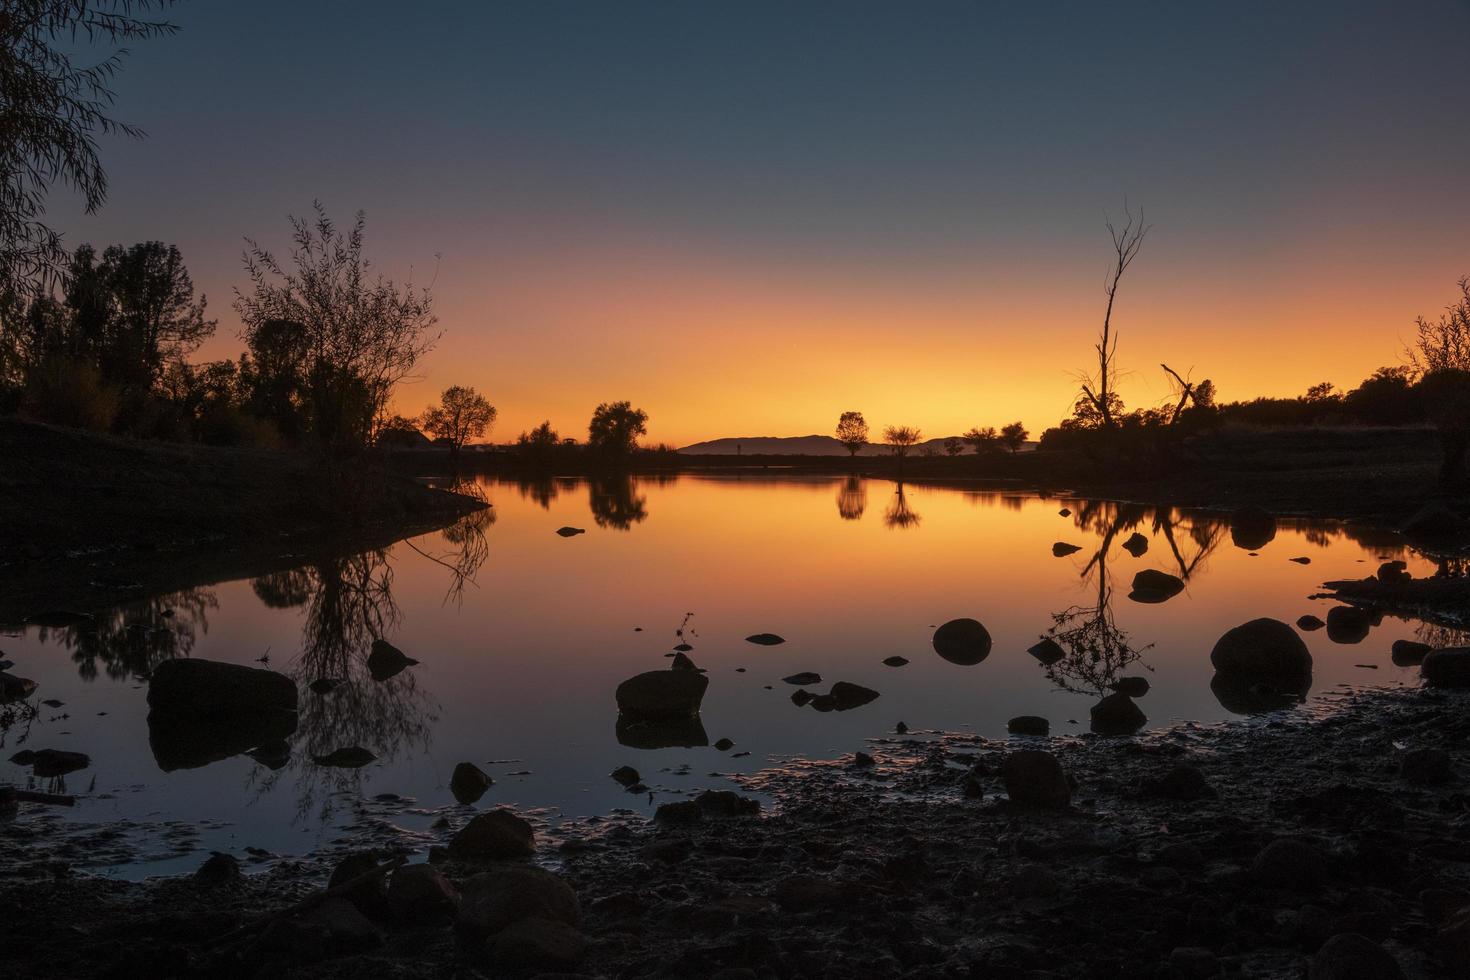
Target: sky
[(749, 217)]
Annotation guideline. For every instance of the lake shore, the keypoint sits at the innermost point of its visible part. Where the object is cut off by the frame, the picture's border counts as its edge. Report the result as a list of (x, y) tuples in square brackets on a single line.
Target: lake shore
[(1239, 850)]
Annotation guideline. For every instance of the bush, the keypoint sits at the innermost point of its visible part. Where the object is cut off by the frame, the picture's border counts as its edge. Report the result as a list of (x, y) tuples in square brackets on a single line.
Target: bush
[(65, 392)]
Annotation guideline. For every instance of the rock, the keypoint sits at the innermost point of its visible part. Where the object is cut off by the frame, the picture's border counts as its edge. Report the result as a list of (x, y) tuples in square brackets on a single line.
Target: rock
[(218, 869), (340, 927), (1252, 528), (1117, 714), (678, 812), (962, 641), (1408, 653), (683, 647), (846, 696), (1263, 648), (1290, 863), (352, 757), (188, 740), (1035, 778), (725, 803), (765, 639), (804, 893), (682, 662), (385, 660), (1426, 767), (194, 687), (862, 760), (273, 754), (1152, 585), (1394, 573), (1301, 560), (1193, 963), (1136, 545), (1448, 667), (370, 897), (1028, 725), (1309, 623), (1248, 695), (1348, 624), (1182, 855), (662, 694), (1435, 522), (803, 678), (801, 698), (567, 531), (13, 688), (626, 775), (895, 661), (1047, 650), (901, 729), (1184, 783), (724, 745), (1134, 687), (495, 899), (49, 763), (537, 944), (661, 734), (419, 893), (1033, 881), (469, 782), (494, 836), (1349, 956), (1064, 512), (1062, 549)]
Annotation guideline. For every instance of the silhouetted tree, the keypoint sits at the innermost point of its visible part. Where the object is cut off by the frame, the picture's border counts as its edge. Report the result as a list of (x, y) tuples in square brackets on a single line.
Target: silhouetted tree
[(852, 432), (900, 439), (615, 428), (461, 415), (1444, 344), (51, 111), (155, 319), (1013, 436), (984, 440), (361, 334), (542, 436), (954, 445), (1099, 390), (1446, 396)]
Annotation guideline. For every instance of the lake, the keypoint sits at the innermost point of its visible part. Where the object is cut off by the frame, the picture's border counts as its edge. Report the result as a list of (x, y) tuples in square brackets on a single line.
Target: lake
[(522, 635)]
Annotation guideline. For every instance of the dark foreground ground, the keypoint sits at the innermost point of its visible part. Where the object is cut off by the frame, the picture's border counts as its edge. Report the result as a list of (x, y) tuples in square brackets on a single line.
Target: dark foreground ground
[(1245, 850)]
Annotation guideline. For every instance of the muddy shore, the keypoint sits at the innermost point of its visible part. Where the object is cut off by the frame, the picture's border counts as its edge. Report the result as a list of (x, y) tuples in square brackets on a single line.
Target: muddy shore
[(1230, 850)]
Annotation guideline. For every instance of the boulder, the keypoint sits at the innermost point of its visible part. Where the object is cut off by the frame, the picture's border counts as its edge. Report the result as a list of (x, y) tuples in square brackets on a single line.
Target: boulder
[(661, 695), (13, 688), (1263, 648), (1134, 687), (1136, 545), (1028, 725), (846, 695), (1035, 778), (469, 782), (340, 927), (1309, 623), (218, 870), (1117, 714), (537, 944), (1409, 653), (1348, 624), (371, 896), (1394, 573), (419, 893), (1349, 956), (724, 744), (1152, 585), (1449, 667), (626, 776), (498, 835), (1252, 528), (962, 641), (385, 660), (682, 661), (209, 688), (1047, 650), (802, 678), (495, 899)]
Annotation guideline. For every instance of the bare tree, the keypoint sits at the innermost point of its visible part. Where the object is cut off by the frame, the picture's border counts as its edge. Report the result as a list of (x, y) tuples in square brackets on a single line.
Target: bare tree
[(1100, 390), (51, 111), (852, 432), (461, 415)]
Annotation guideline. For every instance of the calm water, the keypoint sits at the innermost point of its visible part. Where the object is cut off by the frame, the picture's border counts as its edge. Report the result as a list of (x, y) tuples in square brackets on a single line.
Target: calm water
[(523, 636)]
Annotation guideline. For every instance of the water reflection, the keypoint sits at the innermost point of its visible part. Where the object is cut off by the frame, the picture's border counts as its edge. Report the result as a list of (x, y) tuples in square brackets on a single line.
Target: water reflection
[(616, 502), (129, 640), (852, 498), (899, 514)]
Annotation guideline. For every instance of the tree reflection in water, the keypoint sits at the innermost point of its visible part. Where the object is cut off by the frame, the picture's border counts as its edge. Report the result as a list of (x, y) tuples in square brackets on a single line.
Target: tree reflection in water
[(852, 498), (615, 501), (899, 514), (129, 640)]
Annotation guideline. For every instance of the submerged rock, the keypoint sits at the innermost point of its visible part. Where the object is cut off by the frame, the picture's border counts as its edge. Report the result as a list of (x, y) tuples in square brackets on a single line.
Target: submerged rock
[(846, 695), (1348, 624), (568, 531), (662, 733), (1035, 778), (1047, 650), (715, 804), (1252, 528), (49, 763), (626, 775), (662, 695), (350, 757), (805, 677), (1062, 549), (498, 835), (1409, 653), (1134, 687), (1116, 714), (765, 639), (895, 661), (1309, 623), (1152, 585), (1028, 725), (965, 642), (724, 745), (325, 685), (385, 661), (1136, 545), (469, 782)]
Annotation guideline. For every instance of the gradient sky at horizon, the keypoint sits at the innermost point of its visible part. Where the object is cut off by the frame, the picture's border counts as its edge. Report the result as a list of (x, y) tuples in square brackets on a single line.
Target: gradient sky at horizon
[(749, 217)]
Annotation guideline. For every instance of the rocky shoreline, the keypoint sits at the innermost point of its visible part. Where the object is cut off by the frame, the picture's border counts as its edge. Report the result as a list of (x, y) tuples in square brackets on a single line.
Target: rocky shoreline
[(1330, 840)]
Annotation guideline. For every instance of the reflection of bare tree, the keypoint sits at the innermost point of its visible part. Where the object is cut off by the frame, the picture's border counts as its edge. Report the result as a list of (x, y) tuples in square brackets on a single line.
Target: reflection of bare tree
[(899, 514), (1191, 538), (131, 639), (615, 501), (852, 498), (538, 487), (349, 603), (466, 538)]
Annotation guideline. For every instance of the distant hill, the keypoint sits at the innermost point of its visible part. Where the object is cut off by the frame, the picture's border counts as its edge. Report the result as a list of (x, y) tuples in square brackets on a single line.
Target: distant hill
[(794, 446)]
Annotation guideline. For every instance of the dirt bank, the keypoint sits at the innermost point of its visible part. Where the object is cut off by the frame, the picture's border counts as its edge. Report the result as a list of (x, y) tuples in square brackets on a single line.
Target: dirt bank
[(1232, 850)]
